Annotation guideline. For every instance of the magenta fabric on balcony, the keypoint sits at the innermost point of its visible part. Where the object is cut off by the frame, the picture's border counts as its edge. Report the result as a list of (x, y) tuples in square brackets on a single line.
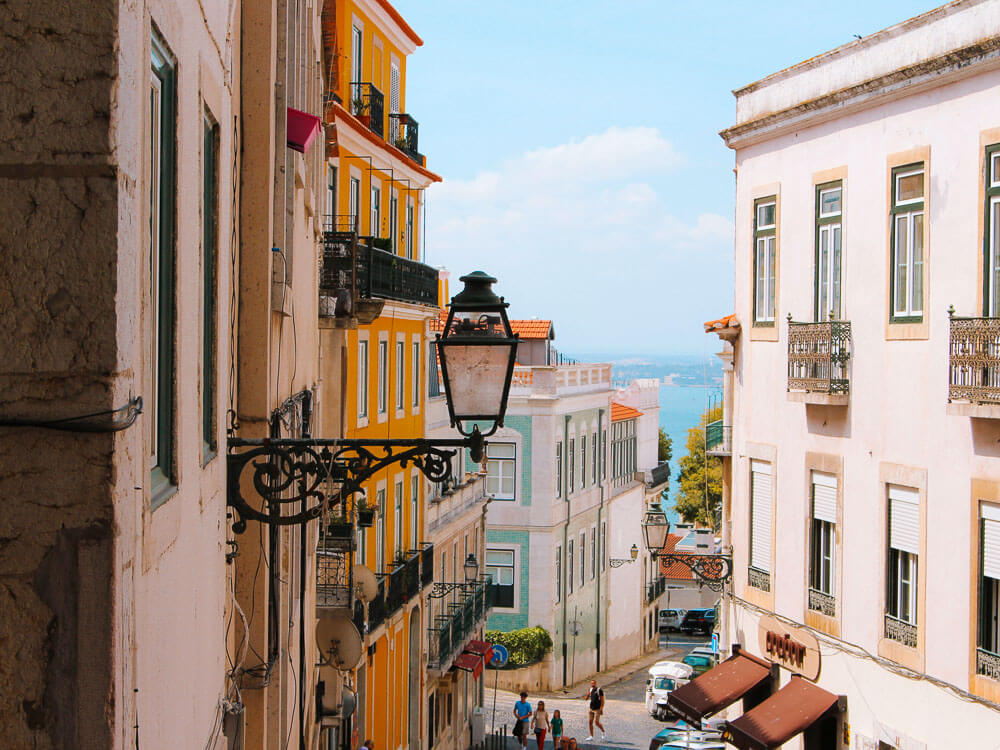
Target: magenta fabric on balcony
[(302, 130)]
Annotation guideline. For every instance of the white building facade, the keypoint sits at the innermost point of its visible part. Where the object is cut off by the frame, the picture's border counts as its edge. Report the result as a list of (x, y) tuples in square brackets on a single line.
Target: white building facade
[(863, 492)]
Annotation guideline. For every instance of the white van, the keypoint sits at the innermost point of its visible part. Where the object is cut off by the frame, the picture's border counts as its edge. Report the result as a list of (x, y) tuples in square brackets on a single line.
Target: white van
[(671, 619), (664, 676)]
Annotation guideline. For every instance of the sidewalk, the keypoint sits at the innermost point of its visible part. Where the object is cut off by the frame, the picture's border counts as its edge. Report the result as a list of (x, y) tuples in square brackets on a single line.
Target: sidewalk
[(614, 675)]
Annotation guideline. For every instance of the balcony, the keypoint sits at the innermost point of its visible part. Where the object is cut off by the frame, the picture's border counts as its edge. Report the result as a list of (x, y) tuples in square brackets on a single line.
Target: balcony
[(376, 607), (988, 664), (403, 130), (368, 105), (818, 359), (404, 582), (462, 609), (655, 589), (559, 380), (974, 366), (355, 278), (426, 565), (759, 579), (658, 475), (823, 603), (718, 439), (333, 568), (901, 631)]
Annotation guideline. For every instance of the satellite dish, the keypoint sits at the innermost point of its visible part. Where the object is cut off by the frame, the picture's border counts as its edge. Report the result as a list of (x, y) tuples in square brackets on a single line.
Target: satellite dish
[(365, 583), (339, 641)]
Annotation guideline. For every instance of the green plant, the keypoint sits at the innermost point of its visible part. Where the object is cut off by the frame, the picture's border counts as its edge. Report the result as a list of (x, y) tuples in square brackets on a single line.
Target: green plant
[(525, 646), (382, 243), (360, 106), (400, 143)]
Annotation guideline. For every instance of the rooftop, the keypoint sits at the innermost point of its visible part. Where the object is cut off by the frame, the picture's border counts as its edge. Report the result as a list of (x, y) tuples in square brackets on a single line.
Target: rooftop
[(620, 412), (670, 569)]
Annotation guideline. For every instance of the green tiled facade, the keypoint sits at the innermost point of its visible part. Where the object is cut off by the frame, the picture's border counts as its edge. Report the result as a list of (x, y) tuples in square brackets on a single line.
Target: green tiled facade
[(503, 619), (521, 424)]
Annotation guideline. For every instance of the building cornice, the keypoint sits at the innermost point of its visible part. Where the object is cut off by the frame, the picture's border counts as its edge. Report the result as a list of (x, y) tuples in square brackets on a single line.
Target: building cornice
[(964, 62)]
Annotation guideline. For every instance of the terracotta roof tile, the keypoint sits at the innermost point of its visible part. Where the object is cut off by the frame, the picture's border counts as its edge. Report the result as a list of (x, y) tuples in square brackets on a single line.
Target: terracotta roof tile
[(620, 412), (670, 569), (526, 329), (729, 321)]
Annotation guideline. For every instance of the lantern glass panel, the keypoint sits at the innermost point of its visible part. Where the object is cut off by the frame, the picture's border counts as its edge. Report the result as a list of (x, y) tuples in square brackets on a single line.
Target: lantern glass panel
[(655, 527)]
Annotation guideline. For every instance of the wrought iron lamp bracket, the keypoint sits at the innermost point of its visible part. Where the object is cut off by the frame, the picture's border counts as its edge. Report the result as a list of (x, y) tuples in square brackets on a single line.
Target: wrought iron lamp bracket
[(614, 562), (712, 571), (298, 478)]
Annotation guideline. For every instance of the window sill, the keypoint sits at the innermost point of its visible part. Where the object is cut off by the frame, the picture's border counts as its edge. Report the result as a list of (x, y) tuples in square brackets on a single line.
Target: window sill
[(907, 329), (901, 653), (161, 488)]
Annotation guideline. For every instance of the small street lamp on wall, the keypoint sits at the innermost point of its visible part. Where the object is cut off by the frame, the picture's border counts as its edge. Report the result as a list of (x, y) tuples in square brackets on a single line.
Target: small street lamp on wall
[(617, 563)]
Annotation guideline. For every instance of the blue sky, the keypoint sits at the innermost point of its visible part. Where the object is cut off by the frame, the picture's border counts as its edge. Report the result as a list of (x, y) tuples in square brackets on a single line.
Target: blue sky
[(580, 150)]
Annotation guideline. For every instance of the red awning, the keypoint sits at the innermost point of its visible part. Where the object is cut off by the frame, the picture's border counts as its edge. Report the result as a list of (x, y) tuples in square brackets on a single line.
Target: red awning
[(719, 687), (480, 648), (469, 663), (302, 130), (791, 710)]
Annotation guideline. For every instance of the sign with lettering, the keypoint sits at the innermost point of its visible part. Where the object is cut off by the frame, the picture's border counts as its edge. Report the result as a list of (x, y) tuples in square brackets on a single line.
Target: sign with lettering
[(795, 649)]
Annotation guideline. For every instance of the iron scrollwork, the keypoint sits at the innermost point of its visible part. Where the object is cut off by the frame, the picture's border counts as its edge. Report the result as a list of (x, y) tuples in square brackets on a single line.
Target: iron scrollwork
[(710, 570), (299, 478)]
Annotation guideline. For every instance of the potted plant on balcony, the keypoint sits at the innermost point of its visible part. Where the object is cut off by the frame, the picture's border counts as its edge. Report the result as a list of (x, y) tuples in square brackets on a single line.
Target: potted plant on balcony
[(361, 111), (400, 143), (366, 514), (382, 243), (339, 527)]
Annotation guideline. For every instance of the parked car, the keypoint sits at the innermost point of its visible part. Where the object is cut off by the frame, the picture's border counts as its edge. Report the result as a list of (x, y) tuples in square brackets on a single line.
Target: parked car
[(700, 663), (670, 619), (664, 676), (699, 621)]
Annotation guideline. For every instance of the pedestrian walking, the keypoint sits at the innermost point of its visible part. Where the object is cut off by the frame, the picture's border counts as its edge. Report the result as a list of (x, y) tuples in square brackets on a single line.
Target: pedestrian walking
[(595, 698), (522, 713), (540, 723), (557, 729)]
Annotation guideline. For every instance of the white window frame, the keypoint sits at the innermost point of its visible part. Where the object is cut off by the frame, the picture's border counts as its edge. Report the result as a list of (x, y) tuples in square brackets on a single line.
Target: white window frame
[(382, 401), (829, 256), (558, 573), (913, 308), (761, 510), (363, 379), (570, 574), (765, 263), (583, 558), (593, 552), (559, 468), (904, 569), (397, 523), (415, 374), (992, 230), (414, 511), (354, 202), (410, 229), (571, 469), (400, 373), (512, 565), (375, 218), (380, 505), (497, 468)]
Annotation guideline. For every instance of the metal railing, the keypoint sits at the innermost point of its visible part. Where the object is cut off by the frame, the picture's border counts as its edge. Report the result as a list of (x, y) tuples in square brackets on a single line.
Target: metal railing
[(359, 618), (655, 589), (465, 606), (900, 630), (368, 105), (351, 263), (333, 578), (974, 360), (403, 134), (818, 356), (823, 603), (988, 663), (718, 439), (759, 579), (426, 564), (376, 607), (659, 474), (395, 596)]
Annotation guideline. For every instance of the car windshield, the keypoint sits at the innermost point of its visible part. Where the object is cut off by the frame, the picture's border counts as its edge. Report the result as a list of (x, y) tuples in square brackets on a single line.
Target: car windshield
[(696, 661), (663, 683)]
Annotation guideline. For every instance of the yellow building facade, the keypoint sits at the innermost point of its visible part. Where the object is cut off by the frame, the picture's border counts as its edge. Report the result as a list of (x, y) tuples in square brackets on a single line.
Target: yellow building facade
[(378, 289)]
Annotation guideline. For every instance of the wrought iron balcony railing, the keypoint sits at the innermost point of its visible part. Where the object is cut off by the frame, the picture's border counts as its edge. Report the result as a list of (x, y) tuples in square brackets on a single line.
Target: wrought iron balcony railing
[(465, 606), (350, 263), (718, 439), (426, 564), (333, 578), (395, 596), (900, 630), (988, 663), (403, 131), (759, 579), (818, 356), (974, 360), (655, 589), (359, 618), (823, 603), (368, 105), (376, 607), (659, 474)]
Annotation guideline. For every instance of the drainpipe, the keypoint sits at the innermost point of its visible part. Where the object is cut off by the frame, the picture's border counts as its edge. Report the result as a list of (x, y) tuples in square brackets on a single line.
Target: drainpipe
[(600, 515), (565, 544)]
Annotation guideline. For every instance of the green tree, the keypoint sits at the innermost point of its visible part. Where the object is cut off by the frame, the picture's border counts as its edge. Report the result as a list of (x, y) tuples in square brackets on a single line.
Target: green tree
[(699, 497), (664, 448)]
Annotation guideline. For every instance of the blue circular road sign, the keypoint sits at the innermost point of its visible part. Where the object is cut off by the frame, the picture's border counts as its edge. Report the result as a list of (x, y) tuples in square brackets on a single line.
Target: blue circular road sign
[(500, 655)]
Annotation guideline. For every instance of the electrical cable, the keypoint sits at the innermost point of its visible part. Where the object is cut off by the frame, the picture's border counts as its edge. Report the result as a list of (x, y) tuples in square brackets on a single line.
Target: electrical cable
[(233, 252), (131, 412)]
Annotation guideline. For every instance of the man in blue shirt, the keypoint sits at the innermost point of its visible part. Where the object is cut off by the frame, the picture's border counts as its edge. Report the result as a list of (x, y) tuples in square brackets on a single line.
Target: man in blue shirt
[(522, 713)]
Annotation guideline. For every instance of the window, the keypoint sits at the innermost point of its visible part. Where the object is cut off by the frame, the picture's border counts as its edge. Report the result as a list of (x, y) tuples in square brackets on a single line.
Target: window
[(409, 230), (354, 201), (433, 383), (907, 243), (362, 379), (209, 312), (593, 458), (415, 365), (992, 232), (383, 376), (760, 524), (400, 374), (829, 213), (500, 570), (572, 464), (765, 238), (375, 221), (623, 451), (989, 592), (604, 454), (414, 511), (331, 194), (583, 461), (593, 552), (500, 460), (583, 557), (559, 476), (380, 531), (397, 523), (569, 567), (360, 554), (823, 542), (356, 66), (394, 218), (162, 200), (558, 573), (904, 540), (604, 545)]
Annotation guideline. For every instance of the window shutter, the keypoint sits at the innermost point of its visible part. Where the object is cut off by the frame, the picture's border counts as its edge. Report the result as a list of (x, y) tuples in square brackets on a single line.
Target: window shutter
[(824, 497), (904, 519), (991, 541), (760, 515)]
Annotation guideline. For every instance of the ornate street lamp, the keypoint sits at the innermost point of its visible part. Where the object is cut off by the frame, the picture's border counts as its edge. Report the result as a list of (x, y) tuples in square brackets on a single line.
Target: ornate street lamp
[(617, 563), (298, 478), (711, 570), (477, 352), (471, 568)]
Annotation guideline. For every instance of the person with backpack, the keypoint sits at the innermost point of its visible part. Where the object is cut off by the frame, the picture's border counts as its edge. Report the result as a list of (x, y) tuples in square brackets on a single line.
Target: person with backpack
[(595, 698), (522, 713)]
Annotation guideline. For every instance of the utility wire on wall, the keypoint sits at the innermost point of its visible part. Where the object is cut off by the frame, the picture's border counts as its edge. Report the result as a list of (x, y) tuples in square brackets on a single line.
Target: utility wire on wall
[(109, 420)]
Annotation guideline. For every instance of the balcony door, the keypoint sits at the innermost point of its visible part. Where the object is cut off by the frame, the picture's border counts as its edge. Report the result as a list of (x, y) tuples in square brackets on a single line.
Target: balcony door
[(992, 233), (394, 103), (829, 213)]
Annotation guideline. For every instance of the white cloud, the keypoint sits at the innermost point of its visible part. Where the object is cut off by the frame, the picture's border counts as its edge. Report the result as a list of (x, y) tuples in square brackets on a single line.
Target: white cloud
[(561, 226)]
